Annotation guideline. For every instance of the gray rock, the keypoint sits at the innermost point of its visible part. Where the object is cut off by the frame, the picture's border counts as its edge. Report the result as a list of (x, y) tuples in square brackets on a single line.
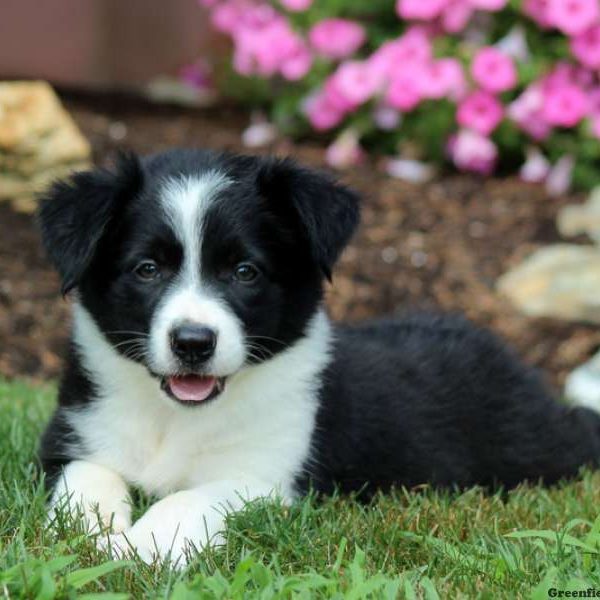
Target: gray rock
[(582, 386), (583, 218), (561, 281)]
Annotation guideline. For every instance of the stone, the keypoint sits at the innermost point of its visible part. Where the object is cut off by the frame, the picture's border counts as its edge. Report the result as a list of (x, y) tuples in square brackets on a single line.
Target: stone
[(560, 281), (39, 142), (582, 386), (574, 220), (171, 90)]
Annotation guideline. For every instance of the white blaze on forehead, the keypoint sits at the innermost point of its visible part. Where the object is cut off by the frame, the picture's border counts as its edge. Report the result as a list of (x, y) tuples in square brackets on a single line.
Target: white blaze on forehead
[(186, 201)]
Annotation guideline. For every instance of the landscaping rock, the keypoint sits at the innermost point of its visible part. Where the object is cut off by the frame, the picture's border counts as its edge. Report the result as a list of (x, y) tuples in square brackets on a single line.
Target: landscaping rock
[(39, 142), (582, 386), (561, 281), (574, 220)]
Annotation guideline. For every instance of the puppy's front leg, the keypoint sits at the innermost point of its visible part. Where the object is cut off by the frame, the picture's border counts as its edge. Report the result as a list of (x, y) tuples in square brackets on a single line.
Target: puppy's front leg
[(97, 493), (190, 517)]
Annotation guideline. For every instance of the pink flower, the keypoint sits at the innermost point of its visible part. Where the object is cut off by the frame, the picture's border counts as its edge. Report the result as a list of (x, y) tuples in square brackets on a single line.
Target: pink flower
[(336, 38), (297, 64), (345, 151), (480, 111), (584, 77), (491, 5), (404, 90), (493, 70), (296, 5), (352, 84), (538, 11), (586, 47), (565, 73), (562, 74), (265, 45), (260, 14), (420, 9), (564, 106), (594, 100), (527, 112), (321, 113), (471, 151), (573, 16), (456, 15), (443, 78), (528, 103), (414, 47), (226, 16), (536, 167), (264, 48)]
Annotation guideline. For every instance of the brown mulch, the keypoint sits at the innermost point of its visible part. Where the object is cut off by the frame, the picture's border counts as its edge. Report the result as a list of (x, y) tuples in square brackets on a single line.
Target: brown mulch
[(440, 245)]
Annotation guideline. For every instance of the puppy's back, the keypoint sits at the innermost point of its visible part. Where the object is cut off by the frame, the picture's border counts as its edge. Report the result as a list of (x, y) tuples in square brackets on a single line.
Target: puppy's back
[(434, 399)]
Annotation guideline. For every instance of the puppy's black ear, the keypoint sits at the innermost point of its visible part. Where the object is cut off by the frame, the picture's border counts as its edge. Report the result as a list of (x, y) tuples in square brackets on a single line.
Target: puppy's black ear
[(323, 212), (74, 215)]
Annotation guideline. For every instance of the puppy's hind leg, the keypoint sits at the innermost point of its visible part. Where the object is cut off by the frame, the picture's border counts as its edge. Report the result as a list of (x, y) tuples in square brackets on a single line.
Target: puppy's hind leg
[(537, 437), (569, 439)]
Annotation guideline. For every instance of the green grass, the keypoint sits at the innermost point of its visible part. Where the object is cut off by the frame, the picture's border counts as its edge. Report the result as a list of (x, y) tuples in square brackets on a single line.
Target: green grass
[(407, 544)]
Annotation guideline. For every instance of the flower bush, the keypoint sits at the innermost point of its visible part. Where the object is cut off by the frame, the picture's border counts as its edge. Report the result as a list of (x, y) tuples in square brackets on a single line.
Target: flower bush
[(483, 84)]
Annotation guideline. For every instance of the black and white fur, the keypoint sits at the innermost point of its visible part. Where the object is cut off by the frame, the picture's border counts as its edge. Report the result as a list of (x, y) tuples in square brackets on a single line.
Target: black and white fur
[(300, 401)]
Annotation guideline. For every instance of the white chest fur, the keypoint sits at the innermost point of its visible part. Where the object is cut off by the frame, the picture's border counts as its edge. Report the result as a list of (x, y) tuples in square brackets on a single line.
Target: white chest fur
[(259, 429)]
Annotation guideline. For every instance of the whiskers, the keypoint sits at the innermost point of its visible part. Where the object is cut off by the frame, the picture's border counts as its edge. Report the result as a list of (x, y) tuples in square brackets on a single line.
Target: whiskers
[(257, 352), (133, 348), (137, 352)]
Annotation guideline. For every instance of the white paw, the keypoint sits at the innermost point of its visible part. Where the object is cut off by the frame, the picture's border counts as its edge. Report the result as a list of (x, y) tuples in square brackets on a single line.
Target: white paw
[(171, 529), (96, 494)]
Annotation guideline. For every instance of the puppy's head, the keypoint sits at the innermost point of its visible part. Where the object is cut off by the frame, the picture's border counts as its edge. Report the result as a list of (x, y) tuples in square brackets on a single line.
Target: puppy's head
[(197, 264)]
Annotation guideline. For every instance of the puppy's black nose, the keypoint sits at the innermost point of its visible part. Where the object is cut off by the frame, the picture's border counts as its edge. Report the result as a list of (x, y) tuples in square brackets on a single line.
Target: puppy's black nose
[(193, 344)]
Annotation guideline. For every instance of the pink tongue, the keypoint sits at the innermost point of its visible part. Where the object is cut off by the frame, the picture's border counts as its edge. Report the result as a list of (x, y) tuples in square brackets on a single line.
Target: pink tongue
[(192, 388)]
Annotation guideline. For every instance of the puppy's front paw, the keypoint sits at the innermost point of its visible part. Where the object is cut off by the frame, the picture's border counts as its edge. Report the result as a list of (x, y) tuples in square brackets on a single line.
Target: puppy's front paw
[(171, 528), (96, 494)]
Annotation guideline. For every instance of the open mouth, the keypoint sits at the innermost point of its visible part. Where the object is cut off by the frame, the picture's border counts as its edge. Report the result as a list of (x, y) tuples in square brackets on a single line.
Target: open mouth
[(193, 389)]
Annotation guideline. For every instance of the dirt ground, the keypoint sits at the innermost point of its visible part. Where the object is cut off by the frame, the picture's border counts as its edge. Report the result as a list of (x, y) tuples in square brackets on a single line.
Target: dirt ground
[(440, 245)]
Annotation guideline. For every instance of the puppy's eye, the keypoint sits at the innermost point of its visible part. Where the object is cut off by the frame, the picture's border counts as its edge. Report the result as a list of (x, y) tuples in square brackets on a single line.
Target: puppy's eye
[(245, 273), (147, 270)]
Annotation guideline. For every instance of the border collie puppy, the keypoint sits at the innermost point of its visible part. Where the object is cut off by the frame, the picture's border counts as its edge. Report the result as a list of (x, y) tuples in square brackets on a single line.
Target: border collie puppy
[(204, 370)]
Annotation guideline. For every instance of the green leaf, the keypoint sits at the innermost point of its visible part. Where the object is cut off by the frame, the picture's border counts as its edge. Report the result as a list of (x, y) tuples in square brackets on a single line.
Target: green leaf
[(429, 588), (47, 585), (409, 590), (60, 562), (540, 592), (81, 577), (340, 555), (546, 534)]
